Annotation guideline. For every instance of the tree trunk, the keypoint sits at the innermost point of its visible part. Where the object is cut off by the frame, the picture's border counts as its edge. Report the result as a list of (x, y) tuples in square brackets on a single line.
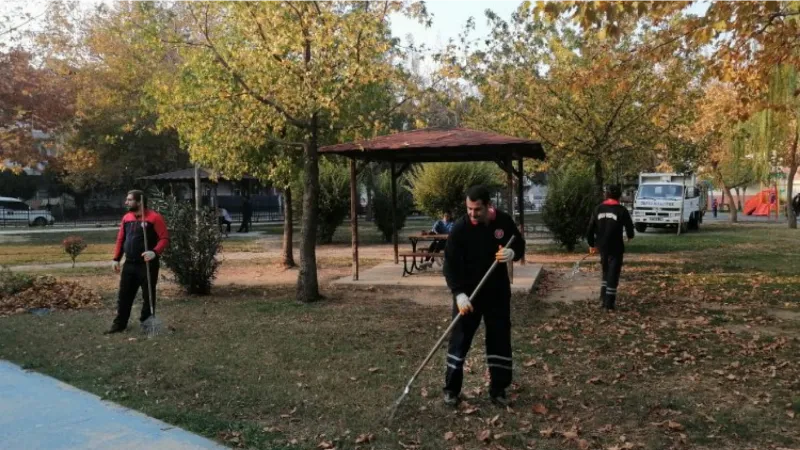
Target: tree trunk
[(598, 176), (288, 232), (790, 213), (738, 199), (307, 283), (732, 204)]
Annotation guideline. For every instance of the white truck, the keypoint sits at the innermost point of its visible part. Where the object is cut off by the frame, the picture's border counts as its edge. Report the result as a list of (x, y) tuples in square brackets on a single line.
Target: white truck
[(668, 200)]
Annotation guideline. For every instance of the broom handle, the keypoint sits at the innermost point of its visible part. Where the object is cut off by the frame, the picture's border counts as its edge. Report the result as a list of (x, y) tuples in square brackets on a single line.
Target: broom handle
[(150, 292), (453, 323)]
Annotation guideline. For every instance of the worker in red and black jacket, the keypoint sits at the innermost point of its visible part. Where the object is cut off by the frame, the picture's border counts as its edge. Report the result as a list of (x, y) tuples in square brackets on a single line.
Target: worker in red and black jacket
[(130, 243), (609, 221)]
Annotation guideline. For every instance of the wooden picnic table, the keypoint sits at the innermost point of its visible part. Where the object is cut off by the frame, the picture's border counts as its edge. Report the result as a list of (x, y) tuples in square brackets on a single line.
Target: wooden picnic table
[(415, 238), (414, 254)]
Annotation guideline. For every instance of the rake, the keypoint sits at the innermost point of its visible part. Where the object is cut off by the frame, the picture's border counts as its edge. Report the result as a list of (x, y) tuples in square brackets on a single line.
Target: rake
[(152, 326), (577, 266), (407, 389)]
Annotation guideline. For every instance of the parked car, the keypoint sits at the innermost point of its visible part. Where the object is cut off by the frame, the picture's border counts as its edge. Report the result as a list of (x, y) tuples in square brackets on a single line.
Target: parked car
[(14, 211)]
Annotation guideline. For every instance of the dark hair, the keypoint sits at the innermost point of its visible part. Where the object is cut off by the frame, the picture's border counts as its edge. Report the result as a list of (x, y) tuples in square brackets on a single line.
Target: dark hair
[(138, 196), (613, 191), (478, 192)]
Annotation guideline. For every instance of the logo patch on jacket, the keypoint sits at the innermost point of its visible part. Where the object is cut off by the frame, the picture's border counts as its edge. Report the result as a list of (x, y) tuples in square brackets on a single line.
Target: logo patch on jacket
[(611, 216), (498, 233)]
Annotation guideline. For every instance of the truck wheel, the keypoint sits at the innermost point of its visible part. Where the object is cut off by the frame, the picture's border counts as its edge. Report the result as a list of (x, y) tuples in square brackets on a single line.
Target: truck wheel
[(641, 227), (40, 222)]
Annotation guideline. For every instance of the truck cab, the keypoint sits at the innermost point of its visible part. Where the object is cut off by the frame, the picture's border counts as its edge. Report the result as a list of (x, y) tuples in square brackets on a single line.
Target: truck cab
[(668, 200)]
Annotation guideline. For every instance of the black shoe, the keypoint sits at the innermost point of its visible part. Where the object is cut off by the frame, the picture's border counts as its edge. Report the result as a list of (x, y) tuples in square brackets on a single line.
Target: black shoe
[(115, 328), (450, 399), (499, 399)]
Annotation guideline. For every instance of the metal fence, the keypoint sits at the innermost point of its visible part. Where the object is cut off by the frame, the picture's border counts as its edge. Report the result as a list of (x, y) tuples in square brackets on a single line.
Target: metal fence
[(111, 218)]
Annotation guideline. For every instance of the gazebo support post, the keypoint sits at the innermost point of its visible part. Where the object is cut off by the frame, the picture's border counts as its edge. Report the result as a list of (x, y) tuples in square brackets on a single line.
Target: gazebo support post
[(354, 217), (521, 203), (510, 205), (394, 213)]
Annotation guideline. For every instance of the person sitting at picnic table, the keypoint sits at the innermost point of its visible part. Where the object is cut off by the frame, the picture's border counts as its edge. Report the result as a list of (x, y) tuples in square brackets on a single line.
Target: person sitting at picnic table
[(225, 219), (442, 226)]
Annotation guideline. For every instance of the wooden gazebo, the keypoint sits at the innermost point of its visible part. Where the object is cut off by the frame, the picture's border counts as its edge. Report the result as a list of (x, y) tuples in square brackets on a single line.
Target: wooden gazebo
[(435, 145)]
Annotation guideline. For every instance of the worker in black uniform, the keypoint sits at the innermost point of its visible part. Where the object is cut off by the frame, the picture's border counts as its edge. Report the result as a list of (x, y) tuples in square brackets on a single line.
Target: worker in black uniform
[(475, 242), (605, 233)]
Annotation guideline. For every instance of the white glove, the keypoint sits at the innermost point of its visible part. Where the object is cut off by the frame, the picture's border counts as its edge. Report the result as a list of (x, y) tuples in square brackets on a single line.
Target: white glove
[(464, 306), (504, 255), (115, 266), (149, 255)]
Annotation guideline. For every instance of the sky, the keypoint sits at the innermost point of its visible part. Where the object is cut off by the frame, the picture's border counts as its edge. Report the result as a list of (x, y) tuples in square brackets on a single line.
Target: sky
[(449, 17)]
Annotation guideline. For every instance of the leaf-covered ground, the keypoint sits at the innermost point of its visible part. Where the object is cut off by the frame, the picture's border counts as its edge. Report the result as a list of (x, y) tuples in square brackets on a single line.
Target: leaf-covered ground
[(702, 353)]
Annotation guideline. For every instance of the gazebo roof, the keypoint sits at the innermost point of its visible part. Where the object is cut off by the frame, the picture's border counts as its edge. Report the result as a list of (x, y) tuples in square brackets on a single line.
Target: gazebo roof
[(186, 175), (439, 145)]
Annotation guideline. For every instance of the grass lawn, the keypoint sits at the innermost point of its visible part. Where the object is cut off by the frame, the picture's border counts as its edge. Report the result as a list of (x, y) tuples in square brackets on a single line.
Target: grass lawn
[(702, 354)]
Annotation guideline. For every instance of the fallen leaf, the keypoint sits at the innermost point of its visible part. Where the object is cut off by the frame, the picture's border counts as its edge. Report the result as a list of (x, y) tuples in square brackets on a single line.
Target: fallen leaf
[(529, 363), (374, 369), (570, 435), (424, 393), (583, 444), (494, 420), (540, 409), (449, 436), (325, 445), (790, 414), (469, 409), (674, 426), (365, 438), (546, 433), (595, 380), (485, 436)]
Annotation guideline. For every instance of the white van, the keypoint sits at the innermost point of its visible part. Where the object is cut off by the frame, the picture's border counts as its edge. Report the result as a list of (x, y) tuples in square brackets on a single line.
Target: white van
[(14, 211)]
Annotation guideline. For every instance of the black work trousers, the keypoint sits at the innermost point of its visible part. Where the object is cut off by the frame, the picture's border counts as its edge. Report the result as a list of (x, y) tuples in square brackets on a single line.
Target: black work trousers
[(245, 226), (612, 267), (133, 277), (496, 314)]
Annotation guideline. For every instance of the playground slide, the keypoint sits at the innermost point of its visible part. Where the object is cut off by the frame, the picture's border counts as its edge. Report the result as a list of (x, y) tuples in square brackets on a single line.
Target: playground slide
[(759, 204)]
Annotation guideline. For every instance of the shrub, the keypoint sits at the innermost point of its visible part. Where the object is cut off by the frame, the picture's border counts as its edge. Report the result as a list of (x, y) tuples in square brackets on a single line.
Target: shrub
[(191, 254), (334, 198), (12, 283), (440, 187), (382, 204), (74, 245), (571, 199)]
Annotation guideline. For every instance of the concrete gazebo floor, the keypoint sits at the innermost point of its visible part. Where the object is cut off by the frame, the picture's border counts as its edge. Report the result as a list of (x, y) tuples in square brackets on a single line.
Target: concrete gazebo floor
[(391, 274)]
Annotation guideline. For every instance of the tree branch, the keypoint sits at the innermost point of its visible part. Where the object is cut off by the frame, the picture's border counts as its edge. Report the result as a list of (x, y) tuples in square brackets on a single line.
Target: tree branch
[(239, 79)]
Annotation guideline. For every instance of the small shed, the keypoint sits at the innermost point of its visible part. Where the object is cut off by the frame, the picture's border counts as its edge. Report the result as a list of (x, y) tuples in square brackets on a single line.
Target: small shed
[(435, 145)]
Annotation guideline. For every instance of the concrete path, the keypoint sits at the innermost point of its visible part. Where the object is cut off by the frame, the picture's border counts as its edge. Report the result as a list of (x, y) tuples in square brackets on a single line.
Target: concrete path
[(39, 412)]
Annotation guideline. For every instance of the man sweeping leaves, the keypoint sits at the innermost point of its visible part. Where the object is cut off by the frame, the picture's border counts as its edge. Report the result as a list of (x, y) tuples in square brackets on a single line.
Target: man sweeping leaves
[(131, 243), (474, 244)]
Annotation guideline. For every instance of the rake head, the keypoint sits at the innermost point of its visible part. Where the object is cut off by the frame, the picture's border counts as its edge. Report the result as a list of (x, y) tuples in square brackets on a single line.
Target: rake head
[(577, 266), (153, 326)]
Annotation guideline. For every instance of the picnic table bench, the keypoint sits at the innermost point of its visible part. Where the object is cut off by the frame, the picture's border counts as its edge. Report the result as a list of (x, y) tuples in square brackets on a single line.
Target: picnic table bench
[(410, 266)]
